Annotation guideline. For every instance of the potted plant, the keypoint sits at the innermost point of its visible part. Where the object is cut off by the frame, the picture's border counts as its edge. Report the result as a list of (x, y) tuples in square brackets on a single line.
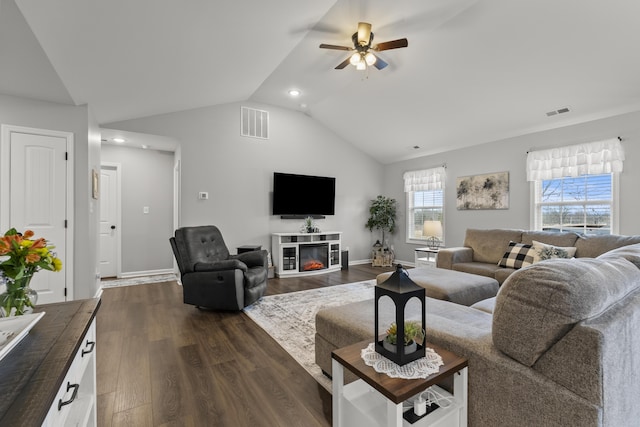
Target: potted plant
[(309, 226), (382, 215), (413, 335)]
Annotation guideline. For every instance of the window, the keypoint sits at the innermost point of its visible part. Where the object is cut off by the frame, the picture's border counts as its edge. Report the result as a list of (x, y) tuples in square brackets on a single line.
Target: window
[(423, 206), (425, 201), (575, 188), (584, 204)]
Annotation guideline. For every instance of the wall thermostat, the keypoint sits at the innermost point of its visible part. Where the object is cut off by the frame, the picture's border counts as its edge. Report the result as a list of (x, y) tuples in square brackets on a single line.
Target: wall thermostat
[(203, 195)]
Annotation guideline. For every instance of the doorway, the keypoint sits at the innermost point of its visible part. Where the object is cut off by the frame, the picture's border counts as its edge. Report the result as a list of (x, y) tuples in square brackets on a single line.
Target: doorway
[(110, 220)]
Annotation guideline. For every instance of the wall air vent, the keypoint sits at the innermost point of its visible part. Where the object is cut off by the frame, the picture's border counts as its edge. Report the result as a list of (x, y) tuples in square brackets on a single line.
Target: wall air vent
[(558, 111), (254, 123)]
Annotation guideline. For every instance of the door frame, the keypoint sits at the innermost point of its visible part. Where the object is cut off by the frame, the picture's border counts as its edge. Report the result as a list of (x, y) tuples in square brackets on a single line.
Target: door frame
[(118, 168), (177, 179), (5, 188)]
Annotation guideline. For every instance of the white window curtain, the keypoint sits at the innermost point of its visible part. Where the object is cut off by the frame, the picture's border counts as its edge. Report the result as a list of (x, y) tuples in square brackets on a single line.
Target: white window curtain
[(425, 180), (575, 160)]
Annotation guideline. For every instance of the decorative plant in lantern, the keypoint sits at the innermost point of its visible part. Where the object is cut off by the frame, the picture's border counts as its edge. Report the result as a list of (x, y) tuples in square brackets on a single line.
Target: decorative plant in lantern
[(413, 335), (20, 258)]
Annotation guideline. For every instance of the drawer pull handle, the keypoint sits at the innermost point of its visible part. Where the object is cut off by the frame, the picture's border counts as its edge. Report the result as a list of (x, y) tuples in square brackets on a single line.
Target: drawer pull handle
[(73, 396), (91, 345)]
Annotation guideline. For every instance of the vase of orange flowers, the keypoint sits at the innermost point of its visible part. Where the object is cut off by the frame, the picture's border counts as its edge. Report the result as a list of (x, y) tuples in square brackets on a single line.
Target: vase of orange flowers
[(21, 256)]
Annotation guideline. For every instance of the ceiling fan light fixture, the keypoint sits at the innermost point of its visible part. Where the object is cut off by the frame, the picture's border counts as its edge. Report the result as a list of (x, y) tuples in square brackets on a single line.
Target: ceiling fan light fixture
[(361, 66), (355, 59), (364, 33), (370, 58)]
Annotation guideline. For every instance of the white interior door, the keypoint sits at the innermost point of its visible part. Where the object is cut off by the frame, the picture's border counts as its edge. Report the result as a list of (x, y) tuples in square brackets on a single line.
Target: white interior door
[(35, 178), (109, 221)]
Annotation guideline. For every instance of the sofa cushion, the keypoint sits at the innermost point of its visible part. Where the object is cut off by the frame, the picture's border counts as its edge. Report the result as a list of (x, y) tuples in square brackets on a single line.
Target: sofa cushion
[(486, 305), (542, 251), (630, 253), (593, 246), (479, 268), (536, 306), (518, 255), (556, 238), (489, 245), (502, 274)]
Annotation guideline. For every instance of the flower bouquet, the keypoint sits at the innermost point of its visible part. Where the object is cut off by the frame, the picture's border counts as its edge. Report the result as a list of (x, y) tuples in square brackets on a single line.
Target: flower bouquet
[(21, 257)]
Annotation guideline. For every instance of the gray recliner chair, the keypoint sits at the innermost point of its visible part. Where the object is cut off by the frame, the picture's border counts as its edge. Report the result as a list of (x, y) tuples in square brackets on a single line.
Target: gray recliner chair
[(212, 277)]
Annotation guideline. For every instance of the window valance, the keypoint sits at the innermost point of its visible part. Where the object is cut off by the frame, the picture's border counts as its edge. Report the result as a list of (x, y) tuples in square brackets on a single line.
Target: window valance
[(575, 160), (425, 180)]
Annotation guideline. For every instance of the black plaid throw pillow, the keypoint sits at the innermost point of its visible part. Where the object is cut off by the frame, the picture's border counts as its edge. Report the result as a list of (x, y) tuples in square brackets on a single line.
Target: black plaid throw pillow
[(517, 255)]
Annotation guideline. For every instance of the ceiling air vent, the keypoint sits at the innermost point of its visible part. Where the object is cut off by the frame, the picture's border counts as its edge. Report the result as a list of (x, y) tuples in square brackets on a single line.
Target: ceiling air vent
[(558, 111), (254, 123)]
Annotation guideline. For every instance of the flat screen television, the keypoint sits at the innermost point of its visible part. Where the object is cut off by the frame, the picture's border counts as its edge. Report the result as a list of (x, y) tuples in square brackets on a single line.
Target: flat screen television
[(303, 195)]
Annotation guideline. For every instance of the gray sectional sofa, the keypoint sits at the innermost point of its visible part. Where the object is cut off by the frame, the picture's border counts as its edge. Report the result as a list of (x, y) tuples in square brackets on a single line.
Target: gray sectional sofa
[(558, 345), (483, 249)]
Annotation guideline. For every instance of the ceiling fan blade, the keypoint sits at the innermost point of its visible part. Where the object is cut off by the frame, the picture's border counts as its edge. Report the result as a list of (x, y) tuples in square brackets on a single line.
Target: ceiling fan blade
[(379, 64), (332, 46), (393, 44), (364, 33), (343, 64)]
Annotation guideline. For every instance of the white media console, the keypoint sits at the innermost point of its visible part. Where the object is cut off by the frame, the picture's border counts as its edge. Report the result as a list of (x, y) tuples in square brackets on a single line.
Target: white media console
[(302, 254)]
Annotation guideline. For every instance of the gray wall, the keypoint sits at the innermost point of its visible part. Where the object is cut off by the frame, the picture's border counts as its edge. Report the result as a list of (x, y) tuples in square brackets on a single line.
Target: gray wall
[(48, 115), (147, 180), (510, 155), (238, 172)]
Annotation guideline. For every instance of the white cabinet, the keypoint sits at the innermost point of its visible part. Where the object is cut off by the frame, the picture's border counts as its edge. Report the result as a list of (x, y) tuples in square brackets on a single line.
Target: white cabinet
[(75, 402), (301, 254)]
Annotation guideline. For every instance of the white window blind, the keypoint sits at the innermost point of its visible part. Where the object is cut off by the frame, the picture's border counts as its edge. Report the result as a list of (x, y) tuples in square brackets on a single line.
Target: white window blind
[(591, 158), (425, 200)]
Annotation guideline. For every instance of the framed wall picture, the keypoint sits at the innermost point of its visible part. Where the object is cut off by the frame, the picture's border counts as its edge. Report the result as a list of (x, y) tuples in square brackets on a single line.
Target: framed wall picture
[(487, 191), (94, 184)]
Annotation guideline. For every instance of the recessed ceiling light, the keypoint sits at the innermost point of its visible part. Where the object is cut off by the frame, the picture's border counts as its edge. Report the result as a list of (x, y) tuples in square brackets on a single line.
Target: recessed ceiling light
[(118, 140), (145, 146), (294, 92)]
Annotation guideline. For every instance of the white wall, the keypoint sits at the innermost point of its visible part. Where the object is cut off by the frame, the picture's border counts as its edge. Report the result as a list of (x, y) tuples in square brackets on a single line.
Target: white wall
[(238, 172), (147, 181), (48, 115), (510, 155)]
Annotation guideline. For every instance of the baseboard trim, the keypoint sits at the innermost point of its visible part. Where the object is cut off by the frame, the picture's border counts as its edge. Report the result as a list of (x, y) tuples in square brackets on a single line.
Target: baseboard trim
[(132, 274)]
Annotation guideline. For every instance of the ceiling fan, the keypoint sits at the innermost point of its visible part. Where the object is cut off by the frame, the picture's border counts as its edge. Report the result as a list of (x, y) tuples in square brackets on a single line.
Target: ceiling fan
[(363, 55)]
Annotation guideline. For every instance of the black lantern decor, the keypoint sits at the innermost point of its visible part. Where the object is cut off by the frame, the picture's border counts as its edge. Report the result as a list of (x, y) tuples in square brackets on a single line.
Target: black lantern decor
[(400, 288)]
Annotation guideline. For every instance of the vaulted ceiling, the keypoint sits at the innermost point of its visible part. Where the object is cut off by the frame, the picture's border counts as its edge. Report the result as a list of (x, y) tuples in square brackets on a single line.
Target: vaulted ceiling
[(474, 71)]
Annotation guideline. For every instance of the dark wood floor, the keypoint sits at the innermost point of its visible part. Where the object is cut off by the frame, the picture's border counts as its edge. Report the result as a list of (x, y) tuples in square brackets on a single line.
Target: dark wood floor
[(164, 363)]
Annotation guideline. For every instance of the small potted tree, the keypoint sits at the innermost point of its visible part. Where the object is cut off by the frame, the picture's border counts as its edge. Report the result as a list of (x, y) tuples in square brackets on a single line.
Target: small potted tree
[(382, 216)]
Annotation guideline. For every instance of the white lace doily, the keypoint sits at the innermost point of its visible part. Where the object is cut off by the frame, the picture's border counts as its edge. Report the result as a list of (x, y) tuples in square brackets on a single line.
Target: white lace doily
[(420, 368)]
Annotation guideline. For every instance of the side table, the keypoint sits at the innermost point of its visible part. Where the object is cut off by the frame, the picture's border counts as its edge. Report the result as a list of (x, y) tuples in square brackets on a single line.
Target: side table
[(376, 399), (248, 248), (426, 257)]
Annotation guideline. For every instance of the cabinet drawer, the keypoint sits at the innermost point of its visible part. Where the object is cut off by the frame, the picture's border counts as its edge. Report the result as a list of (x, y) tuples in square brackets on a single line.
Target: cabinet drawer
[(74, 404)]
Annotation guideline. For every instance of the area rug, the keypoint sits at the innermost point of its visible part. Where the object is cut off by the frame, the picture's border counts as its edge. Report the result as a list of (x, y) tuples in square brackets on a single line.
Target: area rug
[(141, 280), (291, 319)]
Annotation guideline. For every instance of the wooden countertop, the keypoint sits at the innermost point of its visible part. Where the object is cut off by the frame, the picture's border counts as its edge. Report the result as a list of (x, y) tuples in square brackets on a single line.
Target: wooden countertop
[(32, 373)]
